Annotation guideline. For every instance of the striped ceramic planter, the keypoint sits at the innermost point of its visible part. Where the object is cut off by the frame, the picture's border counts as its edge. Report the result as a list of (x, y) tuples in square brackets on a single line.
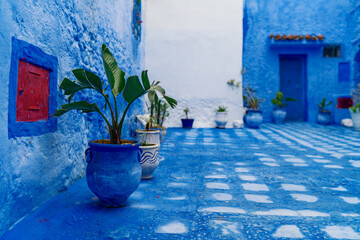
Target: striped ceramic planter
[(149, 160)]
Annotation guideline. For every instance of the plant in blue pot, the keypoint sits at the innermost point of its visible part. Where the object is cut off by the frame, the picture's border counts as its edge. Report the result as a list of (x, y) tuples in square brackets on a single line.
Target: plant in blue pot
[(113, 171), (187, 122), (279, 113), (253, 116), (324, 115)]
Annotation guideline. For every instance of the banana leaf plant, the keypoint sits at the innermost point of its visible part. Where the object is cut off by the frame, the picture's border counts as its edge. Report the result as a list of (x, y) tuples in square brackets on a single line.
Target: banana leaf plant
[(131, 89)]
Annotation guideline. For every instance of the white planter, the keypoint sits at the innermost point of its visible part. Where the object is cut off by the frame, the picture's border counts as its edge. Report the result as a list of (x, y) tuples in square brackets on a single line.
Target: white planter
[(152, 136), (149, 160), (356, 119), (221, 119)]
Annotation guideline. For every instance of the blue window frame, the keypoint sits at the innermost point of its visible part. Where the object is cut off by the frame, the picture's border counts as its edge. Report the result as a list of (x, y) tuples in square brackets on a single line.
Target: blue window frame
[(24, 51)]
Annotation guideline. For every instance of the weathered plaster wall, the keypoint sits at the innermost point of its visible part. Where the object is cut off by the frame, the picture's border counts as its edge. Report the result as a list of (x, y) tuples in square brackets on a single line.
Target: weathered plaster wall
[(32, 169), (330, 18), (194, 48)]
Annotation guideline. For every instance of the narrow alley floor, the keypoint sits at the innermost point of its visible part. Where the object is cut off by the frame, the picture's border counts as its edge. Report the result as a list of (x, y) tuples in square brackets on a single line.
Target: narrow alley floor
[(294, 180)]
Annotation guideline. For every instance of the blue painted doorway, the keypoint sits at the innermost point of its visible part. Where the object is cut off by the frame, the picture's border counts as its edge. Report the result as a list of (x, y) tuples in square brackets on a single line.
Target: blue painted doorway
[(293, 84)]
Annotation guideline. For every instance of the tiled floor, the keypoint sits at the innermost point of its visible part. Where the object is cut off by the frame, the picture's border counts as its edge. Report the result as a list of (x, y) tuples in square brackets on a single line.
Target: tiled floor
[(297, 181)]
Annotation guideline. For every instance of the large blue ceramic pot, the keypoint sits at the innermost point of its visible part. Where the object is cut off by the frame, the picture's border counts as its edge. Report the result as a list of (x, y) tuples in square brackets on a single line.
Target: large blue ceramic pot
[(113, 172), (278, 115), (254, 118), (324, 118)]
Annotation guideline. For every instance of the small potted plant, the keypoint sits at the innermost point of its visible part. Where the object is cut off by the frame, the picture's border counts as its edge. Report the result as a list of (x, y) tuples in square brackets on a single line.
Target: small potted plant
[(279, 113), (113, 171), (221, 117), (187, 122), (355, 110), (324, 115), (253, 117), (152, 133)]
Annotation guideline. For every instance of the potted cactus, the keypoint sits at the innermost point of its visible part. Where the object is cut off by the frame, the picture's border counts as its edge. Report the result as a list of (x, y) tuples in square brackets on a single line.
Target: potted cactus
[(324, 115), (187, 122), (221, 117), (279, 113), (113, 171)]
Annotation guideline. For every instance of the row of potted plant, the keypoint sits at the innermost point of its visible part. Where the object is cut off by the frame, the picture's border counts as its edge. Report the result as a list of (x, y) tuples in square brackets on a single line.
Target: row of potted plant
[(253, 115), (113, 170)]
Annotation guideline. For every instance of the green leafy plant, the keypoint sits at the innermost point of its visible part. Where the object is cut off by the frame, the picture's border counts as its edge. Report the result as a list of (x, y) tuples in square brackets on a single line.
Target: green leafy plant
[(355, 108), (233, 84), (250, 99), (186, 111), (279, 100), (131, 89), (158, 111), (221, 109), (162, 112), (323, 104)]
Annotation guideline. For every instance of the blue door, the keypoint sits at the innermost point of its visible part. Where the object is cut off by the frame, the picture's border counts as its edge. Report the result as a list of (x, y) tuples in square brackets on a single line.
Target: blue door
[(292, 84)]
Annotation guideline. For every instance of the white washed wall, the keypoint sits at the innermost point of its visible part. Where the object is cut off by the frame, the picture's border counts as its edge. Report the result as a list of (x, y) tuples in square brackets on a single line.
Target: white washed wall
[(194, 47)]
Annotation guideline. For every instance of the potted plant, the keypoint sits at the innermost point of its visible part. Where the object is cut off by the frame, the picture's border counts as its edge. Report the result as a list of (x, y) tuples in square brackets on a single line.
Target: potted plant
[(221, 117), (253, 116), (355, 110), (187, 122), (279, 113), (113, 171), (151, 133), (324, 115)]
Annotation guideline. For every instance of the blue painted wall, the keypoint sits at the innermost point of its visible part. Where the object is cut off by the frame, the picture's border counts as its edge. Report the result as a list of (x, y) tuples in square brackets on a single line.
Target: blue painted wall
[(354, 23), (331, 18), (34, 168)]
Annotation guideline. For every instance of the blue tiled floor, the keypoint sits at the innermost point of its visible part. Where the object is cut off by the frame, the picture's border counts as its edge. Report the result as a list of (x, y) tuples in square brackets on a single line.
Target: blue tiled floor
[(282, 181)]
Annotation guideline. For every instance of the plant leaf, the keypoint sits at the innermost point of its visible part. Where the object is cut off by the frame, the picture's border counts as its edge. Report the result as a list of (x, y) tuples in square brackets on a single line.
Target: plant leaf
[(172, 102), (70, 87), (145, 80), (276, 101), (279, 96), (88, 79), (114, 74), (83, 106), (133, 89), (94, 80), (151, 95), (158, 88), (289, 99)]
